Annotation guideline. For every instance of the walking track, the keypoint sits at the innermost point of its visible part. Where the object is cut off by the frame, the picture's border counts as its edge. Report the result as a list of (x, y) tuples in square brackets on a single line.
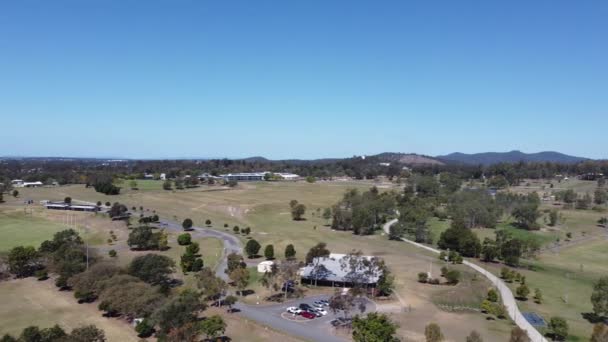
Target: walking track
[(506, 294)]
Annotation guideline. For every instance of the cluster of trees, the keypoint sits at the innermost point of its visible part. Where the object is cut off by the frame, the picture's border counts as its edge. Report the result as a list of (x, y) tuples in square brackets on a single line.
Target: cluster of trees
[(297, 210), (103, 184), (87, 333), (362, 213), (145, 238), (191, 260)]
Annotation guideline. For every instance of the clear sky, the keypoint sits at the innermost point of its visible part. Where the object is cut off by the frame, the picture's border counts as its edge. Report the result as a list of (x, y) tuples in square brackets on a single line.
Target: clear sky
[(302, 79)]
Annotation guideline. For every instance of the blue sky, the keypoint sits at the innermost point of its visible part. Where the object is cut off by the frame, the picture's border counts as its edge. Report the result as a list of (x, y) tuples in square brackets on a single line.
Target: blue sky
[(302, 79)]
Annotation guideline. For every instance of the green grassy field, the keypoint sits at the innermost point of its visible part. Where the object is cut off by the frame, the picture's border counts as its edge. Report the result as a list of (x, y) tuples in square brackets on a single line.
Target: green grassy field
[(566, 280), (142, 185), (17, 229)]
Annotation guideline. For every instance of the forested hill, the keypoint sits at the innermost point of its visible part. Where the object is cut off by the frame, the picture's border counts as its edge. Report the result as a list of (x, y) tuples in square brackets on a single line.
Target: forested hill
[(489, 158)]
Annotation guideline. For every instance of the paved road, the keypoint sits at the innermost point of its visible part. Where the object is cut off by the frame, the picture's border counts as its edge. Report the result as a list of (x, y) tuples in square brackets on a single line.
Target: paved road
[(506, 294), (231, 242)]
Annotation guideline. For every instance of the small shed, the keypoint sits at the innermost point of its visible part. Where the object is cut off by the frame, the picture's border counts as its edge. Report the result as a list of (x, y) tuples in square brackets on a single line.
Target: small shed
[(265, 266)]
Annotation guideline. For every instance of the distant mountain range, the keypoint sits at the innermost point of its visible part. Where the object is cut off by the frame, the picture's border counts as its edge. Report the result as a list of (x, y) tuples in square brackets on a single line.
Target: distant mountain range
[(489, 158)]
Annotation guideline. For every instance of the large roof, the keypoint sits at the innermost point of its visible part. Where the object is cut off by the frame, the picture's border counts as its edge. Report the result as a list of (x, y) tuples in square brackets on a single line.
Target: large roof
[(330, 269)]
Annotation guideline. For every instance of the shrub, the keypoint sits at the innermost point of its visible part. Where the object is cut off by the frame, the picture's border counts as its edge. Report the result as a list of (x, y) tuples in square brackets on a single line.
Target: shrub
[(184, 239), (423, 277), (41, 275), (112, 253), (452, 277)]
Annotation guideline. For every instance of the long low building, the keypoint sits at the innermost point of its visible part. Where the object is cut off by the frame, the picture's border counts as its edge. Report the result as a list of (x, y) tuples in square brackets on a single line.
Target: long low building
[(336, 271), (245, 177), (69, 206)]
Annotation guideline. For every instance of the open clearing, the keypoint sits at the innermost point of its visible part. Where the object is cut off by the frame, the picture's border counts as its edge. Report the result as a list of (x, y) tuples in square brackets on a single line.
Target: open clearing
[(17, 229), (28, 302)]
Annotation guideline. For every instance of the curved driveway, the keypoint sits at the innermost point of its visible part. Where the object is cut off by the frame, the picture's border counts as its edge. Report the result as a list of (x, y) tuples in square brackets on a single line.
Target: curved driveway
[(231, 242), (506, 294)]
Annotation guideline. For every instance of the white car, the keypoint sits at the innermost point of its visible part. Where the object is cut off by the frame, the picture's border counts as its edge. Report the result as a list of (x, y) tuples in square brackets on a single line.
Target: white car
[(294, 310), (321, 311)]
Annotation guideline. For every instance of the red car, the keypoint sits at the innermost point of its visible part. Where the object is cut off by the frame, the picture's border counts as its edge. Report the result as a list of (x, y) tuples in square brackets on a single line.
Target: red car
[(307, 314)]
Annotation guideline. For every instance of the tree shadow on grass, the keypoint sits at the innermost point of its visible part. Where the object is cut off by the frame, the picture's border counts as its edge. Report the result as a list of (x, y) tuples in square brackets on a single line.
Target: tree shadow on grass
[(593, 318)]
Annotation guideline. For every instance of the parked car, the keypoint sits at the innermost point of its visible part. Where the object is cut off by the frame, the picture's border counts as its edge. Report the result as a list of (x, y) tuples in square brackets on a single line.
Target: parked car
[(315, 312), (294, 310), (307, 314), (305, 306), (318, 304), (325, 302), (323, 312)]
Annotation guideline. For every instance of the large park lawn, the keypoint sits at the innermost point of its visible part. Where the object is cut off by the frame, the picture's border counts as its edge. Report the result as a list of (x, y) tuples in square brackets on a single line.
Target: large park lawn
[(18, 229)]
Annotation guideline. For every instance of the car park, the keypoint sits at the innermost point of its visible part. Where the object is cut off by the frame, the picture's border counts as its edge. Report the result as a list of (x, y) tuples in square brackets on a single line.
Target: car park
[(318, 304), (325, 302)]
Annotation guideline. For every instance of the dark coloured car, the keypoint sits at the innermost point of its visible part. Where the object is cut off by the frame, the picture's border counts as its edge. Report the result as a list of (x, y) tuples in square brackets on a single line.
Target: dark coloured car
[(305, 307), (307, 314)]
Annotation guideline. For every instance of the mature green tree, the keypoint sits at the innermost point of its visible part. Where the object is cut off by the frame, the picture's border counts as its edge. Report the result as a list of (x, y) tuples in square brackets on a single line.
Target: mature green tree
[(327, 214), (461, 239), (240, 278), (15, 193), (433, 333), (386, 281), (290, 252), (526, 215), (600, 196), (52, 334), (298, 212), (144, 328), (87, 333), (511, 251), (538, 296), (133, 184), (317, 251), (489, 250), (23, 261), (129, 296), (178, 311), (293, 203), (553, 217), (184, 239), (492, 296), (452, 277), (234, 261), (522, 292), (374, 327), (193, 248), (558, 327), (154, 269), (230, 301), (85, 284), (167, 185), (31, 334), (599, 297), (252, 248), (213, 326), (211, 286), (474, 336), (144, 238), (269, 252), (187, 224)]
